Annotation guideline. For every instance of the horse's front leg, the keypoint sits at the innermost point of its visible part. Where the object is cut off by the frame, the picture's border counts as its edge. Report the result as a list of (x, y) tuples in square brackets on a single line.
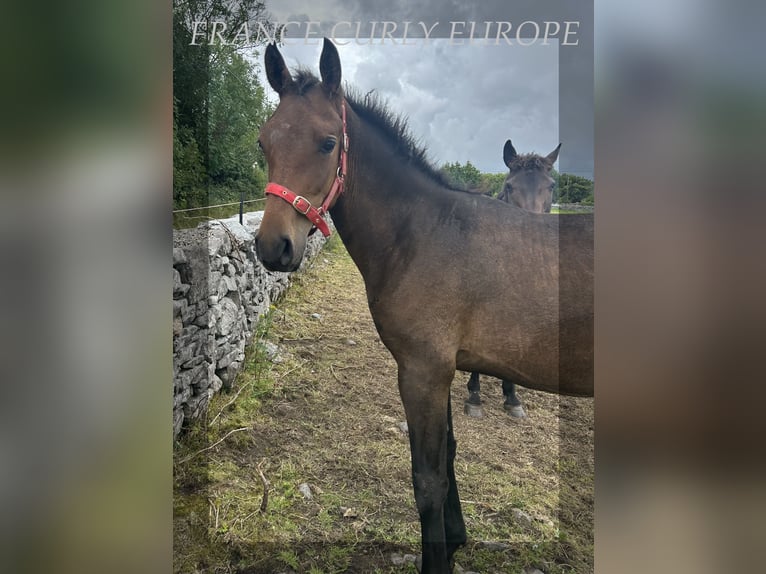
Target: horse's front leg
[(512, 403), (473, 403), (425, 394), (453, 514)]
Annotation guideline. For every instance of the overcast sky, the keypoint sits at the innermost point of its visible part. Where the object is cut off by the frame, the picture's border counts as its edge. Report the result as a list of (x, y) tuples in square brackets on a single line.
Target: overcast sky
[(463, 101)]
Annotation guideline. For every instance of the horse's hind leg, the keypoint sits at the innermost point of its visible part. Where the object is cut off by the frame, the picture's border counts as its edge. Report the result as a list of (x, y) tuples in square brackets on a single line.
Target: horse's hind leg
[(512, 403), (453, 514), (472, 405), (425, 393)]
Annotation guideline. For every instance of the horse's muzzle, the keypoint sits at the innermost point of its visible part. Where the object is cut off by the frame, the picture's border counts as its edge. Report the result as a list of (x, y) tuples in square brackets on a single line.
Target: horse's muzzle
[(278, 253)]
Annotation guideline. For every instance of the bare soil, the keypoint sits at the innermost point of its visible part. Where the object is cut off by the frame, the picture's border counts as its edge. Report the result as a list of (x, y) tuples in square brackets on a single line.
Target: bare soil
[(326, 413)]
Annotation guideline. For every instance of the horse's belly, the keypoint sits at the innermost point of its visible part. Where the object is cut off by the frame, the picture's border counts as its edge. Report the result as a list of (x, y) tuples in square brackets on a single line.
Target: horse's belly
[(552, 360)]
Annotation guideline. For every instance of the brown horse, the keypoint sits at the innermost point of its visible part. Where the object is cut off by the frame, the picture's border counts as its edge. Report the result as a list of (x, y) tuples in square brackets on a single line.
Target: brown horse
[(454, 280), (529, 186)]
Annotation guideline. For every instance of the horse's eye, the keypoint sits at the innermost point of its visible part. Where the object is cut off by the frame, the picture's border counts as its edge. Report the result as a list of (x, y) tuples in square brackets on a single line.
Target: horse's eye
[(260, 145), (328, 145)]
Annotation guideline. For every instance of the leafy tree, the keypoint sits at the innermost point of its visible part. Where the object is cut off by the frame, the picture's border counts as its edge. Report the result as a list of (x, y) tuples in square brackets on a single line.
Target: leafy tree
[(218, 106), (572, 189), (237, 109), (188, 171), (492, 183), (462, 175)]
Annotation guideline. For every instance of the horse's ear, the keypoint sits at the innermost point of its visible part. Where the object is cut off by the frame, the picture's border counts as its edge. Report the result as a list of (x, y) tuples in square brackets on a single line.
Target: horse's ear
[(329, 67), (509, 153), (553, 156), (276, 70)]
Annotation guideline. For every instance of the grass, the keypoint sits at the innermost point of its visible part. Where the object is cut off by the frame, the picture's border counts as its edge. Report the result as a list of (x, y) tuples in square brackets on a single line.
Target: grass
[(325, 414)]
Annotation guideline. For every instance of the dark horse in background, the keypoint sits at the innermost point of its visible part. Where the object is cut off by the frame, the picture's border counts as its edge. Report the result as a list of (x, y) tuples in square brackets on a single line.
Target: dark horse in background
[(454, 280), (529, 186)]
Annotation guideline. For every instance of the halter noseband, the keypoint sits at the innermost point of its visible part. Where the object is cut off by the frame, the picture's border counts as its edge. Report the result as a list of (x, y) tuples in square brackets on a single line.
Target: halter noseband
[(303, 205)]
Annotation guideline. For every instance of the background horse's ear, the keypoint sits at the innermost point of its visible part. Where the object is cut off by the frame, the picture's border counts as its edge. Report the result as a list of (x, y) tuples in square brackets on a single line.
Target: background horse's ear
[(329, 67), (551, 157), (509, 153), (276, 70)]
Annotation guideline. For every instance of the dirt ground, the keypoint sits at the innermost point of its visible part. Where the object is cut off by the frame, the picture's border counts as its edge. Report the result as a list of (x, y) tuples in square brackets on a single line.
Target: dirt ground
[(319, 424)]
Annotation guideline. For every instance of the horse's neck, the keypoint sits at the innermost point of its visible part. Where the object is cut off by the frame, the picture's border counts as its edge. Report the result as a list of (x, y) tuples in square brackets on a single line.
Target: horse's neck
[(371, 212)]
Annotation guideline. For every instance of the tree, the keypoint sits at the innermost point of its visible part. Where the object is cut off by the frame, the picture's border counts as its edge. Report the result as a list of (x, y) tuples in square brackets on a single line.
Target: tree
[(467, 175), (237, 110), (492, 183), (572, 189), (218, 106)]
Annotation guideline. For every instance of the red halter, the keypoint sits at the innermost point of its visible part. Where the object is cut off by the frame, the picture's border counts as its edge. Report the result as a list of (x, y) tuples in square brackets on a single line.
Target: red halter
[(303, 205)]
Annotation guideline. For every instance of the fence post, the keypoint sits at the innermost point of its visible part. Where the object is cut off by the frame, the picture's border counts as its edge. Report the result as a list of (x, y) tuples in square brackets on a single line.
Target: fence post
[(241, 205)]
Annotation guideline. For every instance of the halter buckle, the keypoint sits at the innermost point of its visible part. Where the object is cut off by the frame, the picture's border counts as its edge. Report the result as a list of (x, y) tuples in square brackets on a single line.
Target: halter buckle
[(300, 200)]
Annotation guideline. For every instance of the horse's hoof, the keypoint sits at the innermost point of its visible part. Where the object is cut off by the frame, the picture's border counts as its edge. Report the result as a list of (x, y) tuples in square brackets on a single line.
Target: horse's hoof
[(472, 410), (516, 411)]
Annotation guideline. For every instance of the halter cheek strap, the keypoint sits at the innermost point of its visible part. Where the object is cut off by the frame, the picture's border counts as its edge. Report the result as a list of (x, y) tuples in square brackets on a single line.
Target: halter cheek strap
[(303, 205)]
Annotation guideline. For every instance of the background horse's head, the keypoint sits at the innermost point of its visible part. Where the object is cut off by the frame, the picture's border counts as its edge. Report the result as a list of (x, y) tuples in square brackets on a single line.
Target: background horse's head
[(301, 143), (529, 184)]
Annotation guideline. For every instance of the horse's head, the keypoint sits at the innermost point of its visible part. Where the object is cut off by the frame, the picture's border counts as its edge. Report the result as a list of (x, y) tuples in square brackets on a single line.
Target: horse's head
[(529, 184), (302, 144)]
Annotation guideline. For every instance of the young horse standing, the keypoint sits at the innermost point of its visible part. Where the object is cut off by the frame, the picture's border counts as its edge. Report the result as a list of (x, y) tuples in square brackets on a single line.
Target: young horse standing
[(433, 260), (529, 186)]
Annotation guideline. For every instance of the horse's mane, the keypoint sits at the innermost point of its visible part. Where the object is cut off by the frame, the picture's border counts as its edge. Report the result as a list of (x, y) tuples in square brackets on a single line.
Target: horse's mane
[(529, 161), (395, 129), (391, 126)]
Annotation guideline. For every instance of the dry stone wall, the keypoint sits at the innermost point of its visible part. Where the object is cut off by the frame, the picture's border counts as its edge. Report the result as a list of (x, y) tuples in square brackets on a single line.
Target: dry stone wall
[(220, 291)]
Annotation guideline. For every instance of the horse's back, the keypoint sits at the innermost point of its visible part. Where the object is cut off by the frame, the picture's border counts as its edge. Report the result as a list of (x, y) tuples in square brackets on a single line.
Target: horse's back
[(495, 288)]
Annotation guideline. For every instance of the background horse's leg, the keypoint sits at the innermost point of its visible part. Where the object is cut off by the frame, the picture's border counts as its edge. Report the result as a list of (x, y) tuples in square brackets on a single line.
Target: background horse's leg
[(473, 404), (453, 515), (425, 394), (512, 404)]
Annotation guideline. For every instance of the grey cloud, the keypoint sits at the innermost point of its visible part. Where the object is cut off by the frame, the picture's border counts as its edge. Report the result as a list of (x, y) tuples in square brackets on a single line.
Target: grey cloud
[(464, 101)]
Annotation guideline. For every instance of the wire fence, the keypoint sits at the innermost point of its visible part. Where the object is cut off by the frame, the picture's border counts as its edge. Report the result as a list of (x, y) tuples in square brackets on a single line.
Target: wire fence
[(218, 205), (182, 218)]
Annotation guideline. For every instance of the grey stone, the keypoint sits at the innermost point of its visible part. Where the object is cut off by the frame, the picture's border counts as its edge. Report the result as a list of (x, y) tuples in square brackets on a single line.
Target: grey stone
[(271, 350), (181, 397), (218, 243), (220, 291), (193, 362), (198, 376), (521, 517), (179, 287), (179, 257), (188, 313), (305, 490), (228, 359), (179, 306), (228, 375), (229, 313), (178, 421)]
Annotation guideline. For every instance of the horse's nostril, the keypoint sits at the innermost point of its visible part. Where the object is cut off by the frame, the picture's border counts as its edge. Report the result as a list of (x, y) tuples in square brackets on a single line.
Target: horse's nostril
[(287, 252)]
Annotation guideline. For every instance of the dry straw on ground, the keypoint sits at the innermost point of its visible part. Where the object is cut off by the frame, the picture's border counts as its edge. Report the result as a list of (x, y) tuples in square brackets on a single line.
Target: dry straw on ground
[(325, 413)]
